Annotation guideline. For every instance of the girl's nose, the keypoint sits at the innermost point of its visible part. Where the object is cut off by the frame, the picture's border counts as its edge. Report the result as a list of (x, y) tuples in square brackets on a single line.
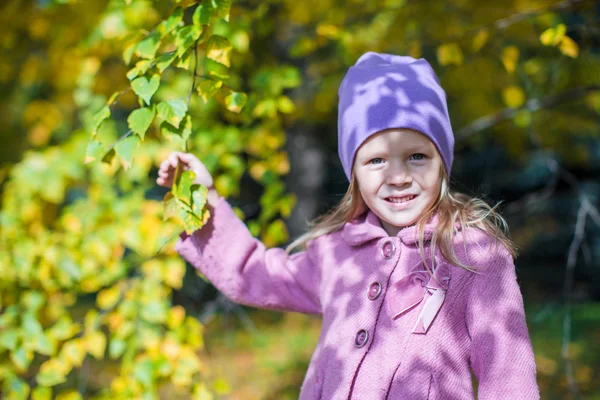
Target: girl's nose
[(398, 175)]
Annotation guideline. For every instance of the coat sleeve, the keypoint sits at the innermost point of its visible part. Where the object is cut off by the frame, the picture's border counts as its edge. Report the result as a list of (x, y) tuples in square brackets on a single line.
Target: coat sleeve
[(501, 353), (245, 271)]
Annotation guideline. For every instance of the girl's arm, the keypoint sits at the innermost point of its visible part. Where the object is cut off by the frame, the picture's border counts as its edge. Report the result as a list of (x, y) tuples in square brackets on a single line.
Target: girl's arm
[(501, 353), (245, 271)]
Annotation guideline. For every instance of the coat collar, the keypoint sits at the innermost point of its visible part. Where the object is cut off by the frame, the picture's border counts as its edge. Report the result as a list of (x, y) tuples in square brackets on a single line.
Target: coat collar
[(367, 227)]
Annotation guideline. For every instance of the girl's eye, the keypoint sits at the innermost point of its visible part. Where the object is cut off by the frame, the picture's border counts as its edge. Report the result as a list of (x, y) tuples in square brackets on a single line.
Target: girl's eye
[(376, 160), (418, 156)]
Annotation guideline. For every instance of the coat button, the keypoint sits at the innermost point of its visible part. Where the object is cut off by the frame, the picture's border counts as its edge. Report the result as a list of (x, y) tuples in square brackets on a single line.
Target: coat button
[(361, 338), (388, 250), (374, 290)]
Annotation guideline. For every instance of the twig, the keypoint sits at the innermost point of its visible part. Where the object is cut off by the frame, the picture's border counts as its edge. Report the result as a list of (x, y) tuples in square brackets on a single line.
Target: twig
[(194, 74), (533, 199), (568, 287), (489, 121)]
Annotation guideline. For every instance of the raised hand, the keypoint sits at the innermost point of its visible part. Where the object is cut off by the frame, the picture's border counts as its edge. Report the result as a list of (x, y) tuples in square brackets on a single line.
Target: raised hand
[(187, 162)]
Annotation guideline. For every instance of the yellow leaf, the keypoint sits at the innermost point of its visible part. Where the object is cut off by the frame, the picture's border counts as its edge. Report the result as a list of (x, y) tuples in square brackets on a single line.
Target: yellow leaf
[(532, 66), (70, 395), (74, 352), (449, 53), (173, 272), (568, 47), (328, 30), (170, 348), (175, 317), (257, 170), (280, 163), (510, 57), (553, 36), (513, 96), (480, 39), (201, 392), (592, 101), (107, 298), (95, 343), (41, 393)]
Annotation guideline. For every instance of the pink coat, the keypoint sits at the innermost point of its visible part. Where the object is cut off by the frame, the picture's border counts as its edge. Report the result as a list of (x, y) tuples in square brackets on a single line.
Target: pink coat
[(388, 332)]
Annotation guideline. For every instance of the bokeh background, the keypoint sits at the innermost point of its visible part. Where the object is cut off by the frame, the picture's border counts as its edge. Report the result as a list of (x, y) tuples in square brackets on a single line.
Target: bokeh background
[(94, 303)]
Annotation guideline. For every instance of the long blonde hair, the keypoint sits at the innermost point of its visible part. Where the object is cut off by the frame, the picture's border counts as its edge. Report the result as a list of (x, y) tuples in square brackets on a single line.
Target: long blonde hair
[(451, 208)]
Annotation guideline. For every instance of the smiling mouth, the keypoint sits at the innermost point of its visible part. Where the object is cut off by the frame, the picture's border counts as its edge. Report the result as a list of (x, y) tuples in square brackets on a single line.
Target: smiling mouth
[(403, 199)]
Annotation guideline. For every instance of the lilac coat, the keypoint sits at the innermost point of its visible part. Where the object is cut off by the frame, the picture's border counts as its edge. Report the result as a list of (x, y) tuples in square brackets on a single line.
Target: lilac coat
[(353, 278)]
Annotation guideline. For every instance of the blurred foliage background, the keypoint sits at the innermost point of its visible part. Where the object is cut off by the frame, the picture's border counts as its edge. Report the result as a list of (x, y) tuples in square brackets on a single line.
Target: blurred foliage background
[(94, 303)]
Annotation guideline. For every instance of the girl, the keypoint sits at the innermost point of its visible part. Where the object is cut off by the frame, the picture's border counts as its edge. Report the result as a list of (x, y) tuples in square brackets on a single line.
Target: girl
[(415, 283)]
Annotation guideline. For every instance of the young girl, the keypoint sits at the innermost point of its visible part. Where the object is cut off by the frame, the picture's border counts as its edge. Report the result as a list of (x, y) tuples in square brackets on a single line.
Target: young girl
[(415, 283)]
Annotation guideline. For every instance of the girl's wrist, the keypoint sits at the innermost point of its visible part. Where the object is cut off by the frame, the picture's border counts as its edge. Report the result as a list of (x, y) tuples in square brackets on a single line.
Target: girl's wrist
[(212, 197)]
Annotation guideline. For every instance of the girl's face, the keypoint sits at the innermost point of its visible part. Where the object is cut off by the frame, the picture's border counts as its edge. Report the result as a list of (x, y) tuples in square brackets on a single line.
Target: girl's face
[(398, 176)]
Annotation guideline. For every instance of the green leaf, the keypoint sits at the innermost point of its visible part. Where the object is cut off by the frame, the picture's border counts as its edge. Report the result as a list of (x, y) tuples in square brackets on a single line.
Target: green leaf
[(143, 372), (33, 300), (140, 120), (22, 358), (218, 48), (64, 328), (164, 60), (290, 77), (199, 198), (31, 327), (16, 389), (147, 47), (93, 151), (216, 70), (172, 111), (99, 117), (132, 73), (125, 148), (8, 339), (44, 345), (183, 188), (51, 373), (144, 88), (171, 206), (128, 53), (166, 26), (155, 311), (41, 393), (202, 14), (186, 37), (222, 8), (144, 65), (178, 136), (116, 348), (185, 60), (108, 157), (235, 101), (207, 88)]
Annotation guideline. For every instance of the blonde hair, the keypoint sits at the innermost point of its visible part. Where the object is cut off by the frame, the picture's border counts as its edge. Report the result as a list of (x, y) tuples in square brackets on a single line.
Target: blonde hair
[(451, 208)]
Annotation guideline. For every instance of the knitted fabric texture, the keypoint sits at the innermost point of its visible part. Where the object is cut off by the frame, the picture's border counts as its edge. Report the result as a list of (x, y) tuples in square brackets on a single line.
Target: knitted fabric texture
[(385, 91), (364, 351)]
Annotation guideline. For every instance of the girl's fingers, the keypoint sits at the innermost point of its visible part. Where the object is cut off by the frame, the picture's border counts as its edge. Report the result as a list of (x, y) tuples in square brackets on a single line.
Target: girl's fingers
[(174, 160)]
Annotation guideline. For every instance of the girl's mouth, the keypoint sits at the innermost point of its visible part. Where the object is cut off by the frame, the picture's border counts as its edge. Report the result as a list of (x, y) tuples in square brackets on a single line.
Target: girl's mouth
[(400, 200)]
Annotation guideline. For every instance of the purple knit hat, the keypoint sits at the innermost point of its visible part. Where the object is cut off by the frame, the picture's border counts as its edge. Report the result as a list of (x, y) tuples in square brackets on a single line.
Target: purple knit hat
[(385, 91)]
